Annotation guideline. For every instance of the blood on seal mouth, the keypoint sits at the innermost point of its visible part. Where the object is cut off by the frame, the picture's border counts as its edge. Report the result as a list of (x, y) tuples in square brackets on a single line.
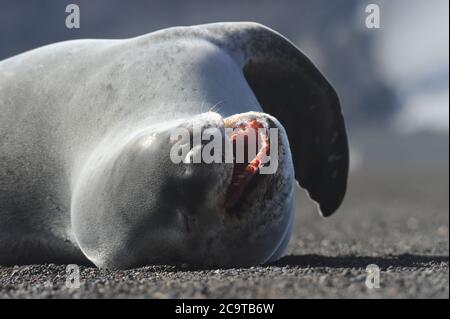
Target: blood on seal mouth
[(244, 172)]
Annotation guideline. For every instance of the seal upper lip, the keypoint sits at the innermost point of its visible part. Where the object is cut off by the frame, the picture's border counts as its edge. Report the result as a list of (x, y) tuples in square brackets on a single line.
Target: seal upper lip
[(244, 172)]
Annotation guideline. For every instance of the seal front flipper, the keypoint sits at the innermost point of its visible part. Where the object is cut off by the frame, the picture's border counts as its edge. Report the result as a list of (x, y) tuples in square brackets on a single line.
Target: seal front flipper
[(290, 87)]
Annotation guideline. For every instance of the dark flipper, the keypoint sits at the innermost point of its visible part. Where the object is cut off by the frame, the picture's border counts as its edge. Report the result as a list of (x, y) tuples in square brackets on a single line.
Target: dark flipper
[(289, 87)]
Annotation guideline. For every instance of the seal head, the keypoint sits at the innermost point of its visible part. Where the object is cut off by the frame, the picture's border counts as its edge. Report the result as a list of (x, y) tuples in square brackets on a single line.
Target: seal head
[(149, 210)]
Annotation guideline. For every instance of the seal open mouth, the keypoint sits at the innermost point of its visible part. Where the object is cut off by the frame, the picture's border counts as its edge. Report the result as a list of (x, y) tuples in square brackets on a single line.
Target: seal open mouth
[(244, 171)]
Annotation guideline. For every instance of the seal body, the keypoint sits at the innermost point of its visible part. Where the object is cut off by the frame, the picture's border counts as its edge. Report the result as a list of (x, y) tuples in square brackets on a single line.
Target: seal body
[(85, 173)]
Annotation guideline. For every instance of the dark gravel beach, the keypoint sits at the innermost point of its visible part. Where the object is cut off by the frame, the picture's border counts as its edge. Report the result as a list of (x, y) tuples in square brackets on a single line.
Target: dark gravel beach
[(397, 219)]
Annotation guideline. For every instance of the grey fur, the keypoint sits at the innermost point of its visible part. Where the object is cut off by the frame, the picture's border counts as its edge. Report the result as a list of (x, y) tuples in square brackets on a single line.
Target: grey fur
[(84, 154)]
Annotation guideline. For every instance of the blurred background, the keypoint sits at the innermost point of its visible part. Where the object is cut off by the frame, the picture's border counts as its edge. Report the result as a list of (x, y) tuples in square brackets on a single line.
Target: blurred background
[(393, 83)]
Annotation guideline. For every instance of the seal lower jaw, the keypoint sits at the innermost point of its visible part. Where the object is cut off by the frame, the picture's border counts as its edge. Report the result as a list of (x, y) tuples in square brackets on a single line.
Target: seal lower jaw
[(246, 173)]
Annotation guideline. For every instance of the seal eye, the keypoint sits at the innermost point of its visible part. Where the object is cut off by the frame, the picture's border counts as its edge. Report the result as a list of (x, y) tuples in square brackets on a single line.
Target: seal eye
[(244, 170)]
